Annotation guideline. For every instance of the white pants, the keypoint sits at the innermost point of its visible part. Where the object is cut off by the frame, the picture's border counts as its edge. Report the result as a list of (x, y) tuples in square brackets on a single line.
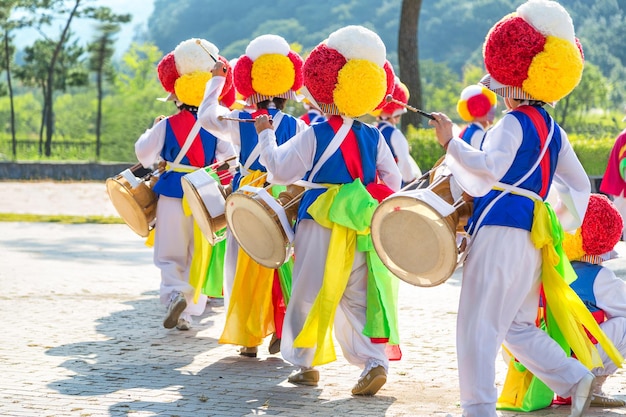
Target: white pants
[(230, 265), (311, 247), (498, 303), (173, 250), (615, 329)]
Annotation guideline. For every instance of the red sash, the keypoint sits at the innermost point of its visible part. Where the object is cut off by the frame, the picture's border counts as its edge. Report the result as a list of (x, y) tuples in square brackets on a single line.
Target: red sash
[(352, 156), (542, 130), (181, 124)]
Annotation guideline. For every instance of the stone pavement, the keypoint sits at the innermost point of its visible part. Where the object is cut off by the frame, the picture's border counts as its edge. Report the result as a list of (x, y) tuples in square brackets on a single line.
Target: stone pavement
[(81, 333)]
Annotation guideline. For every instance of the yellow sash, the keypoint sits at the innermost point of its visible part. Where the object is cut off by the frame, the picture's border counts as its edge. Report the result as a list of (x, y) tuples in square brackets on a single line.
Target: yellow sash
[(250, 316), (570, 314)]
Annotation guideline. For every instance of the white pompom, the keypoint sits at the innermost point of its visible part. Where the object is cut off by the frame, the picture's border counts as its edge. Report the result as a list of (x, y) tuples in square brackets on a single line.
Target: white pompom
[(267, 44), (358, 42), (549, 18), (471, 91), (191, 57)]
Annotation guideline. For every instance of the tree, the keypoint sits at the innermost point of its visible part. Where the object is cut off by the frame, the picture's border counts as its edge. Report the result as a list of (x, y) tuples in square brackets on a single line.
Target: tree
[(408, 58), (35, 71), (102, 51), (47, 10), (8, 51)]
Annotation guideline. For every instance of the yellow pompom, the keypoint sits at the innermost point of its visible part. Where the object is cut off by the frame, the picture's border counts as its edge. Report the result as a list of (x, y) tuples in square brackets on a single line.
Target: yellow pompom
[(554, 72), (573, 245), (361, 86), (461, 108), (272, 74), (189, 88)]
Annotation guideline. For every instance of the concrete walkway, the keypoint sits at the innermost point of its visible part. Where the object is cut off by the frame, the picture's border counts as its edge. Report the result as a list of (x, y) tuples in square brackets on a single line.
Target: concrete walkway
[(81, 335)]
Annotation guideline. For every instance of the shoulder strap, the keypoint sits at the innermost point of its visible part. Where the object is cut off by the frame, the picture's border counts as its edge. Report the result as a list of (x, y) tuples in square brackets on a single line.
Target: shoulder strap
[(190, 137)]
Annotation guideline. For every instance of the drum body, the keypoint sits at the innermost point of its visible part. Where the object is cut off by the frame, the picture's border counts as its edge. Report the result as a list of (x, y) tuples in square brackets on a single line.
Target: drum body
[(134, 199), (207, 197), (262, 225), (415, 233)]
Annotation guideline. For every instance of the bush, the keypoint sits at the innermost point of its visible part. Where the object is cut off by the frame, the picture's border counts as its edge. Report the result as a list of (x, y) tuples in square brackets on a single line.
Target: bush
[(424, 147)]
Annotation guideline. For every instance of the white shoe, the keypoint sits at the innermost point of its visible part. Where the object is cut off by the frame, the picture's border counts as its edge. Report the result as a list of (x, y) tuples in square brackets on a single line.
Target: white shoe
[(184, 322), (582, 395), (176, 306)]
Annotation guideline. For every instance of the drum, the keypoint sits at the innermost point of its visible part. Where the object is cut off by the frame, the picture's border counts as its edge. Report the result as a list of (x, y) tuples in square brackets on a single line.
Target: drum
[(414, 233), (207, 197), (262, 225), (132, 196)]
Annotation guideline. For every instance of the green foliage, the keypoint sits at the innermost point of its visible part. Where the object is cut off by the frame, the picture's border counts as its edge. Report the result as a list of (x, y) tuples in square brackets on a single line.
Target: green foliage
[(425, 149), (592, 153)]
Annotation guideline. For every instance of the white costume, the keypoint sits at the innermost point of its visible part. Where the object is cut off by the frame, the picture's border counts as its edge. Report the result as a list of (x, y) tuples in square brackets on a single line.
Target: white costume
[(400, 147), (230, 131), (287, 164), (501, 275), (173, 243)]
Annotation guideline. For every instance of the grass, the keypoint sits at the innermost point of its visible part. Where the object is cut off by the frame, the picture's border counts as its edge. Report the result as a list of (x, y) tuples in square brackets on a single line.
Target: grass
[(64, 219)]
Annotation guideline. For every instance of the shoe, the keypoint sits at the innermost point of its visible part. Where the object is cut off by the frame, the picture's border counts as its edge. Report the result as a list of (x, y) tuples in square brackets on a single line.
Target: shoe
[(184, 322), (177, 305), (582, 396), (371, 382), (600, 399), (305, 376), (249, 352), (605, 401), (274, 346)]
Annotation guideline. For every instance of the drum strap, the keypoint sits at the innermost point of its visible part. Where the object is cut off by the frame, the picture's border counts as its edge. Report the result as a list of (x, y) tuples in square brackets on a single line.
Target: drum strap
[(278, 117), (190, 137)]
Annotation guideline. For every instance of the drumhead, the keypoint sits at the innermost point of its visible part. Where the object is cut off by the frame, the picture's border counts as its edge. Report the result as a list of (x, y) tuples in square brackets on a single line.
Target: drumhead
[(127, 207), (414, 241), (209, 226), (257, 230)]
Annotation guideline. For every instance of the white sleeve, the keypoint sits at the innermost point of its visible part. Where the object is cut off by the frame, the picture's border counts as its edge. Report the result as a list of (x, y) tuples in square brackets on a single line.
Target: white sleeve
[(290, 161), (386, 166), (210, 110), (408, 167), (225, 150), (610, 293), (149, 145), (569, 193), (477, 171)]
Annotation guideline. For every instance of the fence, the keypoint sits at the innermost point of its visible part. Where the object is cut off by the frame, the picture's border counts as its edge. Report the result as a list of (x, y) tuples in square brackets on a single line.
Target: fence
[(60, 171)]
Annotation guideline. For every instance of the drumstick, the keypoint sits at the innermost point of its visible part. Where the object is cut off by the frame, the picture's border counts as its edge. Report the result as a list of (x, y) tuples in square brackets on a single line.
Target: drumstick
[(199, 42), (234, 119), (390, 99)]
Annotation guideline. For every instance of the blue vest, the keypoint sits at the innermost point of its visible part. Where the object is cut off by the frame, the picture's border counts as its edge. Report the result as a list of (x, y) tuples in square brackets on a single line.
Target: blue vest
[(249, 139), (334, 170), (583, 286), (468, 133), (514, 210), (387, 130), (169, 182)]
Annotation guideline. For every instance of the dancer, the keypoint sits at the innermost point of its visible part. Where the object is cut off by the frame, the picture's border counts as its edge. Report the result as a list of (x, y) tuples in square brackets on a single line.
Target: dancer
[(337, 281), (388, 119), (183, 74), (523, 157), (266, 76)]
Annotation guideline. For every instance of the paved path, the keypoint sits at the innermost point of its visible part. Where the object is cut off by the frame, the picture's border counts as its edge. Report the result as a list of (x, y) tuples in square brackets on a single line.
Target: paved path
[(81, 335)]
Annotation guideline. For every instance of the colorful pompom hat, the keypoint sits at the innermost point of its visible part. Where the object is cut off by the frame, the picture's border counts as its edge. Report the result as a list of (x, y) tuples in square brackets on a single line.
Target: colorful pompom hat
[(475, 101), (600, 231), (348, 74), (268, 69), (184, 72), (401, 94), (532, 54)]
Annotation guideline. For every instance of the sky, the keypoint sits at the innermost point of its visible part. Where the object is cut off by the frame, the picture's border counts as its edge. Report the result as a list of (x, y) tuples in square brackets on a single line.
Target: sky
[(83, 28)]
